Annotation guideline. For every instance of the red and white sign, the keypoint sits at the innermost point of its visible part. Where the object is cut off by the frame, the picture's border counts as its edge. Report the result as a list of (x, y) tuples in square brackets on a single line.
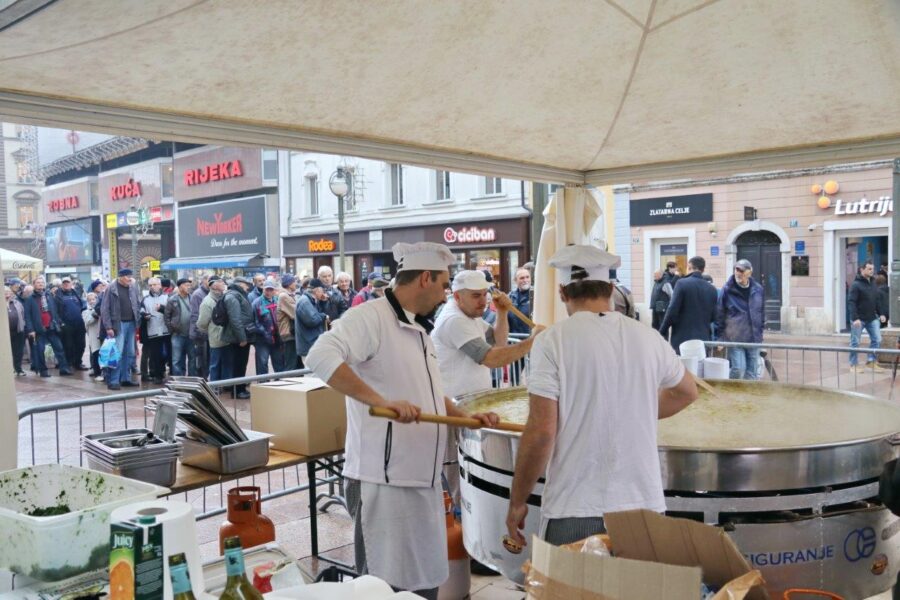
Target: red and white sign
[(220, 226), (130, 189), (216, 172), (66, 203), (469, 235)]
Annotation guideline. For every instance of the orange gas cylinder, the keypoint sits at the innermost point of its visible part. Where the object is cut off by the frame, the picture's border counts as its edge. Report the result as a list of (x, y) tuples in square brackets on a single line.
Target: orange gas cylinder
[(245, 519), (460, 580)]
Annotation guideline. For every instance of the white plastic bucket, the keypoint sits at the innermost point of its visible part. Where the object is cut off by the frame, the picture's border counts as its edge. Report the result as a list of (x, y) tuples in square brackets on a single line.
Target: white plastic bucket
[(692, 364), (715, 368), (693, 348)]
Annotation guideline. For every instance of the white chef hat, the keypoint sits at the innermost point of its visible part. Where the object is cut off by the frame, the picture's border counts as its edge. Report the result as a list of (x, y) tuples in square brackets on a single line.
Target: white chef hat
[(470, 280), (422, 256), (583, 263)]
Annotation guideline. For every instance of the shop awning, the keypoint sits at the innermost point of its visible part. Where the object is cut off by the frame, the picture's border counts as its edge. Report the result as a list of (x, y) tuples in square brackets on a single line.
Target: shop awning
[(620, 91), (212, 262)]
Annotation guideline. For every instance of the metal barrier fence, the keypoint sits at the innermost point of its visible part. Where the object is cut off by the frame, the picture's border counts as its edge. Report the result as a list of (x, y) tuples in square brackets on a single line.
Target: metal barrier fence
[(823, 366)]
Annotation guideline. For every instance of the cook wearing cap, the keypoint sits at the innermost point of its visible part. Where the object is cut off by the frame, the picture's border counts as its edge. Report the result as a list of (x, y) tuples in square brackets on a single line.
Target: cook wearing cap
[(380, 354), (740, 316), (598, 383), (468, 347)]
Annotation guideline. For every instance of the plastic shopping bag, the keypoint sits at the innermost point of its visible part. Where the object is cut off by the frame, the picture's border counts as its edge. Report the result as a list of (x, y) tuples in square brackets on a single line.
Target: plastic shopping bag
[(109, 354)]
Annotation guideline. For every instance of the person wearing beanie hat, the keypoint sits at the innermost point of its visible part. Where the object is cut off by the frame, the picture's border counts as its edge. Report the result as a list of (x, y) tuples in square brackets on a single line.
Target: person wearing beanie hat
[(598, 384), (178, 321), (393, 469), (239, 332), (286, 317)]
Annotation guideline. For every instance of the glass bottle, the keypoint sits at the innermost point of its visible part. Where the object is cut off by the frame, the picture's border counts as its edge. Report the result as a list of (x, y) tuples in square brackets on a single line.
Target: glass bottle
[(237, 587), (181, 579)]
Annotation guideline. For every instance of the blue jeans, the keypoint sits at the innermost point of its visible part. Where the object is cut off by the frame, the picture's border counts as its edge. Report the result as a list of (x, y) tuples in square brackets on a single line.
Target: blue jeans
[(874, 329), (183, 356), (125, 344), (744, 363), (264, 352), (41, 341), (216, 361)]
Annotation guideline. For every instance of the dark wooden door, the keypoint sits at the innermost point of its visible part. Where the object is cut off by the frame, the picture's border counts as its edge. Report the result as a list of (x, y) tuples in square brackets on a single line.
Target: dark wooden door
[(763, 250)]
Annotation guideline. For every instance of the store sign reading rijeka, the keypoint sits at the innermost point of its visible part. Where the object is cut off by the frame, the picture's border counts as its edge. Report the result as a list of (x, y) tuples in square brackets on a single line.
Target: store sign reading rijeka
[(469, 235), (225, 170)]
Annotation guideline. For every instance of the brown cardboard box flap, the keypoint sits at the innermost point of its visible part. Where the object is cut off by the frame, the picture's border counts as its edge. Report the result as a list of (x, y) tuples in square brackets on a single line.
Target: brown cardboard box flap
[(646, 535), (560, 574)]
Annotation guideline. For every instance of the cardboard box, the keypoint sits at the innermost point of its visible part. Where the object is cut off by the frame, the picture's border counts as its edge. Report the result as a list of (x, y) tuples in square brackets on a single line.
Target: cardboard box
[(304, 415), (655, 557)]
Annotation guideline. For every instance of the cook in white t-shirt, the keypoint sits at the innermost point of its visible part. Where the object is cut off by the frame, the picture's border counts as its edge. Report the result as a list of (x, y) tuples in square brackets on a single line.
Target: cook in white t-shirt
[(599, 382)]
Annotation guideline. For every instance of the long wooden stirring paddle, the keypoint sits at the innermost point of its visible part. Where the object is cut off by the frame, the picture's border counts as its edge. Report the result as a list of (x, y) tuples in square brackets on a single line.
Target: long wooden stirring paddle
[(522, 317), (467, 422)]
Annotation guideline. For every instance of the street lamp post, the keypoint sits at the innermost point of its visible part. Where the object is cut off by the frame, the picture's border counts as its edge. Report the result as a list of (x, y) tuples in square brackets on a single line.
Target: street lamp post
[(339, 187), (133, 218)]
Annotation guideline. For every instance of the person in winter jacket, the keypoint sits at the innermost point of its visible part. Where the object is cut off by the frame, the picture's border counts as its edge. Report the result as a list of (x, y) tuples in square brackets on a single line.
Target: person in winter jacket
[(120, 312), (286, 315), (864, 306), (333, 305), (884, 299), (91, 320), (198, 338), (692, 310), (178, 322), (42, 325), (258, 280), (268, 342), (218, 348), (239, 333), (740, 318), (663, 290), (521, 299), (153, 308), (368, 292), (311, 320), (69, 307), (16, 314), (343, 283)]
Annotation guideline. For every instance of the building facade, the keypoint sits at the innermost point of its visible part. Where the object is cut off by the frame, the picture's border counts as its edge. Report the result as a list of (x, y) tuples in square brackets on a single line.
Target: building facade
[(20, 187), (484, 220), (805, 232)]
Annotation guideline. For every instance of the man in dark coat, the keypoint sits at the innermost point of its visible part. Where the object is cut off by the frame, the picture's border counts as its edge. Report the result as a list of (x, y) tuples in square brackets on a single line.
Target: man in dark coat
[(864, 306), (740, 318), (239, 332), (120, 314), (692, 310), (42, 325), (69, 307)]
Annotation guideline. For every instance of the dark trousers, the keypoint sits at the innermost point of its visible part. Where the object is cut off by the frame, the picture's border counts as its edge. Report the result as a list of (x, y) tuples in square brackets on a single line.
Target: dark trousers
[(156, 361), (201, 357), (266, 351), (234, 364), (52, 338), (290, 361), (18, 349), (96, 371), (73, 338)]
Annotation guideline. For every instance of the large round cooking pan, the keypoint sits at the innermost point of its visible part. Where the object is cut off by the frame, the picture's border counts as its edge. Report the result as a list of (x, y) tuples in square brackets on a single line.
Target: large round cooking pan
[(757, 436)]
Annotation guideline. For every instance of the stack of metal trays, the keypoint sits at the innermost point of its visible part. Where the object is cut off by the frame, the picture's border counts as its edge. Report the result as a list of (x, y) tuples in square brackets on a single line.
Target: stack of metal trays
[(133, 453)]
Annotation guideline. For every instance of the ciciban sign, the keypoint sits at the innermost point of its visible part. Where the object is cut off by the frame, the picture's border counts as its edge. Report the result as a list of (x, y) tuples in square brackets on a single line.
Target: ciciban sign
[(469, 235), (215, 172)]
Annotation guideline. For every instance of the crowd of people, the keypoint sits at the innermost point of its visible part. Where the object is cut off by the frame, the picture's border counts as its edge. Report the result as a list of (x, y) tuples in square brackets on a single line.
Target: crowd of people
[(183, 327)]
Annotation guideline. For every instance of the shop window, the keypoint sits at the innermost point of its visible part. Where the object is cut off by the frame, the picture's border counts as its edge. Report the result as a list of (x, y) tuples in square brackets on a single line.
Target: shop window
[(26, 216), (167, 179), (493, 185), (94, 192), (312, 195), (442, 185), (396, 184), (270, 166), (486, 260)]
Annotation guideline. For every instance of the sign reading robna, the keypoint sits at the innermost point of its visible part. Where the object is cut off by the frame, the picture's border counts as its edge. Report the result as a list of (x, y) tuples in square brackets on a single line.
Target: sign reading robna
[(694, 208), (222, 228)]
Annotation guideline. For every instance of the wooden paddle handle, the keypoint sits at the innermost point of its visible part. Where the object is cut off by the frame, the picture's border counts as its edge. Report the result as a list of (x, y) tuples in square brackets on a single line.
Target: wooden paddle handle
[(516, 311), (467, 422)]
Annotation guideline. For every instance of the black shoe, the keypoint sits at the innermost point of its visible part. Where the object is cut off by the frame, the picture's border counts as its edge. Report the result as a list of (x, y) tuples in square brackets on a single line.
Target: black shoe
[(158, 380), (129, 384), (20, 373), (65, 372), (243, 396), (45, 374), (145, 378), (82, 368), (113, 386)]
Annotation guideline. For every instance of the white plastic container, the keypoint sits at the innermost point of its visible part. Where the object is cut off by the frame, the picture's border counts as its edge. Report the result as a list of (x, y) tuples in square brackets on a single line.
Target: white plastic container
[(716, 368), (57, 547), (692, 364), (693, 348)]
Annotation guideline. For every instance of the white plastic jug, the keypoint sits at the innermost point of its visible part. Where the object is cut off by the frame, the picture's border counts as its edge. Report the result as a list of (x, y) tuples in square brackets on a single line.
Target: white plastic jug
[(715, 368), (693, 348), (692, 364)]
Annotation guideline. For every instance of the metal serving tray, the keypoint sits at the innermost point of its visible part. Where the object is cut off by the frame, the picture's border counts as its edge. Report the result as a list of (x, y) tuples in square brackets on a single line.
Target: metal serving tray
[(225, 460), (156, 472)]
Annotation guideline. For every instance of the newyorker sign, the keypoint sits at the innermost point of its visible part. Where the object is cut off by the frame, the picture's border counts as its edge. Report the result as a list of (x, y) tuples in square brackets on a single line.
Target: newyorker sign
[(222, 228), (695, 208)]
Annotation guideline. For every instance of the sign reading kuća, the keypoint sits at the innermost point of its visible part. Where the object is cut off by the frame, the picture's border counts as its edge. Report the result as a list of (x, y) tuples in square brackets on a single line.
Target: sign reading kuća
[(222, 228), (694, 208)]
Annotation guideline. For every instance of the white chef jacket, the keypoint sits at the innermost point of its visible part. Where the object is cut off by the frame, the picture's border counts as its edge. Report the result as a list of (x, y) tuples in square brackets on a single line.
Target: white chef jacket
[(453, 330), (396, 358), (605, 371)]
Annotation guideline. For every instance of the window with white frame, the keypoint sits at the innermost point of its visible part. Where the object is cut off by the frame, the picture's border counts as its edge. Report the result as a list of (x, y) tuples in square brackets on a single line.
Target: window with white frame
[(442, 185), (396, 184), (312, 194), (493, 185)]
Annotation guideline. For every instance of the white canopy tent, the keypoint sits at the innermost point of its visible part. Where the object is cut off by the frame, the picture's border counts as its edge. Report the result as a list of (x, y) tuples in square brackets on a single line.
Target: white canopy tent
[(568, 91), (13, 261)]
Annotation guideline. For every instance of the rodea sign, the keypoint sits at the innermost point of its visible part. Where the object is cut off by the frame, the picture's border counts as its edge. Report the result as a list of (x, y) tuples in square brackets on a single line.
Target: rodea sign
[(469, 235), (321, 245)]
